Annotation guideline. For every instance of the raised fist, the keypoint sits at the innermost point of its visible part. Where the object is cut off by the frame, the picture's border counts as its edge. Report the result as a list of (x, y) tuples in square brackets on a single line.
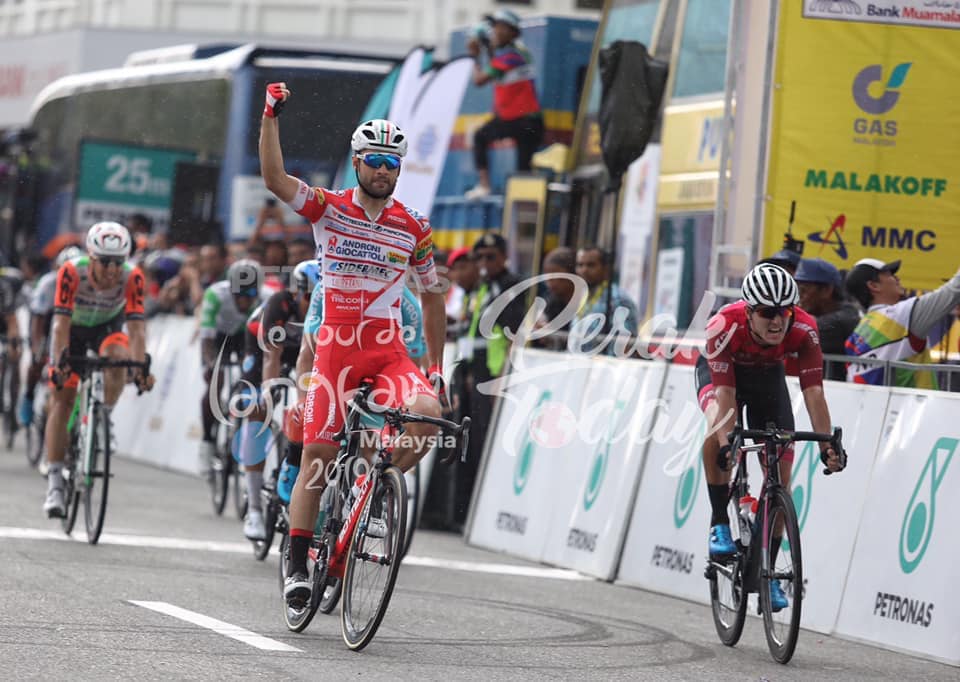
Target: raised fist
[(277, 95)]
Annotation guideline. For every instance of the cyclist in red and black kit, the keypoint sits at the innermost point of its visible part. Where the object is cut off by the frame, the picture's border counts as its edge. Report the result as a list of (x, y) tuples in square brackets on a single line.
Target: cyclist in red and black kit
[(743, 366), (367, 242)]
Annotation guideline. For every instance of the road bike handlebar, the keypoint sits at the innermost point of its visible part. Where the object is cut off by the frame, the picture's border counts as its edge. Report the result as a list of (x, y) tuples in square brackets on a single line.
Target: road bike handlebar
[(785, 437), (399, 416), (82, 364)]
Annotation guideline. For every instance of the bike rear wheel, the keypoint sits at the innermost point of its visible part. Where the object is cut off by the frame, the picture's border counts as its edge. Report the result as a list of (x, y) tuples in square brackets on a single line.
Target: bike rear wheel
[(96, 475), (782, 627), (220, 477), (373, 563), (413, 505), (7, 404), (297, 619)]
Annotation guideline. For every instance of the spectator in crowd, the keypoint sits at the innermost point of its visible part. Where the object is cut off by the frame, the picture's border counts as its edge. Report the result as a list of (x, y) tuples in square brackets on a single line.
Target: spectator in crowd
[(821, 295), (299, 250), (213, 264), (787, 259), (140, 226), (896, 327), (561, 262), (601, 319), (176, 282), (275, 273), (464, 277), (516, 109), (270, 225), (482, 357)]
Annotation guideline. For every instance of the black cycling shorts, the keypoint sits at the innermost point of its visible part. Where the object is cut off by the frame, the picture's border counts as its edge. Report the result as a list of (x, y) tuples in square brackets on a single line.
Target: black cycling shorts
[(762, 390)]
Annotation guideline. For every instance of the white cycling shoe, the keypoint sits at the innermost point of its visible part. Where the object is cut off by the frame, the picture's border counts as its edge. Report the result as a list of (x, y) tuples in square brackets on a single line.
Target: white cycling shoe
[(253, 526)]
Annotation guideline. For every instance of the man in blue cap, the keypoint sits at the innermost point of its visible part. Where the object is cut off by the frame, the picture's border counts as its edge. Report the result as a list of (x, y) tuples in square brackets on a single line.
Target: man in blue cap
[(822, 296), (787, 259)]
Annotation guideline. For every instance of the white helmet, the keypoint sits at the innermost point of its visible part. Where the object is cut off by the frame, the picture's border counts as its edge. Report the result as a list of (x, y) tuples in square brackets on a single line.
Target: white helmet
[(770, 285), (108, 239), (68, 253), (379, 135)]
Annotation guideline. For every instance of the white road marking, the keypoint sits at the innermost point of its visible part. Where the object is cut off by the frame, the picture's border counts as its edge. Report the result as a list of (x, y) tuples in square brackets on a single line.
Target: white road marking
[(226, 629), (498, 569), (157, 542)]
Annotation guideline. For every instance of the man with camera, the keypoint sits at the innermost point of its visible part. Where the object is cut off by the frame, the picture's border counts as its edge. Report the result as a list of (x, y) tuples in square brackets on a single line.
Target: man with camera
[(516, 109)]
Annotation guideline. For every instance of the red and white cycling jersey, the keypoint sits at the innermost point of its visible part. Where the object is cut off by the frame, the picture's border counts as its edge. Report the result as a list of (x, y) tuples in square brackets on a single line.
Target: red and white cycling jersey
[(730, 344), (363, 262)]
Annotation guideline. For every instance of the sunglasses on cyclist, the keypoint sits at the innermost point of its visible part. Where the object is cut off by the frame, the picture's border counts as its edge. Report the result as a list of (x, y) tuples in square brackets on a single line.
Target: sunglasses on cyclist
[(486, 255), (249, 292), (110, 260), (770, 313), (376, 160)]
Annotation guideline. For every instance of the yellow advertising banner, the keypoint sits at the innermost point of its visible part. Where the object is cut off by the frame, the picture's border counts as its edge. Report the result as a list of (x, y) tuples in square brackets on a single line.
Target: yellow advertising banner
[(865, 137)]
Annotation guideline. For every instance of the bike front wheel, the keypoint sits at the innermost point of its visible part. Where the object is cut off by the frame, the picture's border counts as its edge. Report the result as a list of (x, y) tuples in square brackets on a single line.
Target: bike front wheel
[(96, 475), (373, 561), (782, 625), (71, 495), (728, 598)]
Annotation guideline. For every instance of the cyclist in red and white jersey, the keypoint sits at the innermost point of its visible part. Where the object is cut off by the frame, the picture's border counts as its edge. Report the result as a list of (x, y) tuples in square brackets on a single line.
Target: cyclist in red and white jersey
[(366, 243), (744, 366)]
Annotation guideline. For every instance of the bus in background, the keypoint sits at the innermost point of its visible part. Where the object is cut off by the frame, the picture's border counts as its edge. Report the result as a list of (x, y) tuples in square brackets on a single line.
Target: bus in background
[(174, 133)]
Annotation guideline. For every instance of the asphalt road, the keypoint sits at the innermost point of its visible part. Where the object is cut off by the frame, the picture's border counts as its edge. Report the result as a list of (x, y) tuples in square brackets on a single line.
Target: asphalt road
[(69, 610)]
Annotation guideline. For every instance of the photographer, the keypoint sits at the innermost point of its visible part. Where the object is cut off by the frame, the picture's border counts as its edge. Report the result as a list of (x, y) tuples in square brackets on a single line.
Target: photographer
[(516, 109)]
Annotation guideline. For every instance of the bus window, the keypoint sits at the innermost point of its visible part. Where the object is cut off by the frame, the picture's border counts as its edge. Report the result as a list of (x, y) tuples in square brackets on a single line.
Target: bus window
[(322, 114), (701, 64)]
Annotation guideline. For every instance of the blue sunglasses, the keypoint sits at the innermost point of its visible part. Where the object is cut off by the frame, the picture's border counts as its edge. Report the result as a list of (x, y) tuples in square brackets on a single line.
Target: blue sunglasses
[(376, 160)]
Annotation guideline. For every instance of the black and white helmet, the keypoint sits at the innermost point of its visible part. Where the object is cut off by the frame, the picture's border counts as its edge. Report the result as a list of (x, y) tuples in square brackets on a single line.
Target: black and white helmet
[(379, 135), (769, 285), (108, 239)]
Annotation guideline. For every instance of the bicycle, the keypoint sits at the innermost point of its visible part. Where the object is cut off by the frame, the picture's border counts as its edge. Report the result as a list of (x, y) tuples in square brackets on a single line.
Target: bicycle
[(342, 549), (36, 429), (87, 458), (274, 511), (224, 468), (8, 399), (763, 554)]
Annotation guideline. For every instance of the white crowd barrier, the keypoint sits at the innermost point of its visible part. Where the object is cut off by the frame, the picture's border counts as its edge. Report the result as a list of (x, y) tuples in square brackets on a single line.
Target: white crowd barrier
[(595, 464), (163, 427), (900, 589)]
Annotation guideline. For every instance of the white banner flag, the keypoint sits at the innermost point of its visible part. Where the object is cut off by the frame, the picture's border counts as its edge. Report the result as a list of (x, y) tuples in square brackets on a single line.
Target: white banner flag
[(428, 119)]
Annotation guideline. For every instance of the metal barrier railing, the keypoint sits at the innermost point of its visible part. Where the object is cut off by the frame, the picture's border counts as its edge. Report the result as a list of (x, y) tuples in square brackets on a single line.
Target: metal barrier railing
[(947, 375)]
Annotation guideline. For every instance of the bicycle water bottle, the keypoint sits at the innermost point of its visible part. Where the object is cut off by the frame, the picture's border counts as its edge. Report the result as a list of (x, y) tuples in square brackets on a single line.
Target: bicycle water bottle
[(747, 503)]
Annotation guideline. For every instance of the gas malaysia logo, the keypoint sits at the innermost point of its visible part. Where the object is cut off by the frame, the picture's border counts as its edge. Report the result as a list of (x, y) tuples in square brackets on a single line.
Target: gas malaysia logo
[(917, 527), (599, 467), (878, 131), (686, 495)]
